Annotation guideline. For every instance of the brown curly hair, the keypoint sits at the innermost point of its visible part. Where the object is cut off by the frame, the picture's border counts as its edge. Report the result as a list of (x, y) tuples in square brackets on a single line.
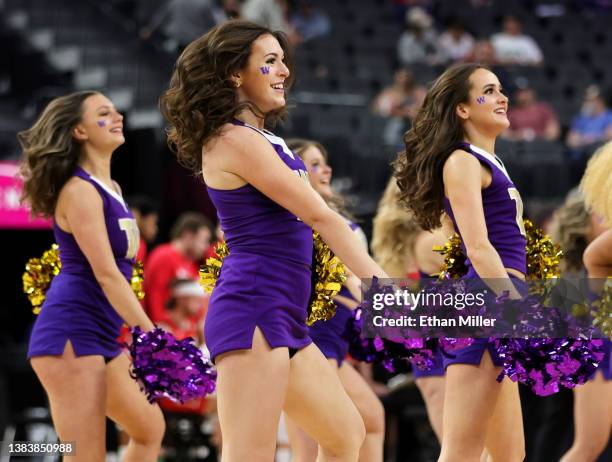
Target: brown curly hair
[(434, 135), (50, 152), (202, 97)]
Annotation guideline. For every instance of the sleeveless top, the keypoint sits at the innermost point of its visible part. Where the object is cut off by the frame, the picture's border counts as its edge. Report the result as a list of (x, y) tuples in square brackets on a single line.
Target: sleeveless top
[(121, 227), (254, 223), (503, 210)]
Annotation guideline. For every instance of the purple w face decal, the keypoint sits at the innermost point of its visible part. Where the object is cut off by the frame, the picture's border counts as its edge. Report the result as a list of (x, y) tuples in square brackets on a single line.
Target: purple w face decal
[(480, 99), (264, 70)]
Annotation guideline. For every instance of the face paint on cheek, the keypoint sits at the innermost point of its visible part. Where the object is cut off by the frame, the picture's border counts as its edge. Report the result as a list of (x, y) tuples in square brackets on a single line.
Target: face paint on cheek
[(315, 168), (265, 70), (480, 99), (102, 123)]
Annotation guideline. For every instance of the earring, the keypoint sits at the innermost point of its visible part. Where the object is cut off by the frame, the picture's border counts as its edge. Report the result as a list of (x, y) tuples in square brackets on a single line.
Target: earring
[(237, 84)]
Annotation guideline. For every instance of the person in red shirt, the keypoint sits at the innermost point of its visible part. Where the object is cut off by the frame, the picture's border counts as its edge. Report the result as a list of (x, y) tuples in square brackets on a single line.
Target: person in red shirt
[(530, 118), (187, 297), (147, 215), (179, 259)]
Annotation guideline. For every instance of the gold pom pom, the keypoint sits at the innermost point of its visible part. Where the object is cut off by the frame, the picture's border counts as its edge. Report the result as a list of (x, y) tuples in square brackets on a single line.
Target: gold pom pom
[(602, 310), (328, 277), (454, 259), (543, 256), (210, 271), (38, 275), (40, 272), (137, 279)]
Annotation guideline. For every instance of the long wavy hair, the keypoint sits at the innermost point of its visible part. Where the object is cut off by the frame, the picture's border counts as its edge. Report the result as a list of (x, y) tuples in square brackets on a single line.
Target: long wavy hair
[(337, 201), (394, 233), (570, 228), (434, 135), (50, 152), (596, 183), (202, 97)]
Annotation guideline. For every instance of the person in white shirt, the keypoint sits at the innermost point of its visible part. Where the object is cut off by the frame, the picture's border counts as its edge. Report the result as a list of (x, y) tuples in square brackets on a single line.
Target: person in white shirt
[(513, 47)]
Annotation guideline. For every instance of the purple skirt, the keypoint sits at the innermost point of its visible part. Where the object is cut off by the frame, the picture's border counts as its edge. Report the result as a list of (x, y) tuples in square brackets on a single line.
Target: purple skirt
[(76, 309), (436, 370), (327, 335), (605, 367), (473, 353), (258, 291)]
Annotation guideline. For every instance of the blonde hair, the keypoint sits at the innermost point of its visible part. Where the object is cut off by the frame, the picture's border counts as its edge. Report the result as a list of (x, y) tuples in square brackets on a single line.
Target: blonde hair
[(570, 227), (596, 183), (394, 233)]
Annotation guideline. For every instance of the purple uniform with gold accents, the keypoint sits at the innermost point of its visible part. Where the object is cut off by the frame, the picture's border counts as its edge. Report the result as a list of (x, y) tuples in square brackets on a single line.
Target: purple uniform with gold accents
[(327, 335), (265, 280), (75, 307), (503, 211)]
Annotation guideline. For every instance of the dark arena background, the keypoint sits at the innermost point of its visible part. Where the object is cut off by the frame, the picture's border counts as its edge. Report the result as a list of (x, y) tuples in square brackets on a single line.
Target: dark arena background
[(361, 70)]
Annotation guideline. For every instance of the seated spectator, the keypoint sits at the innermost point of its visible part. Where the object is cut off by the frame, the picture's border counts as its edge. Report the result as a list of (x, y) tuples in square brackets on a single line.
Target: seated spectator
[(186, 310), (513, 47), (419, 42), (402, 98), (178, 259), (310, 22), (530, 118), (593, 124), (455, 44), (483, 53), (146, 216)]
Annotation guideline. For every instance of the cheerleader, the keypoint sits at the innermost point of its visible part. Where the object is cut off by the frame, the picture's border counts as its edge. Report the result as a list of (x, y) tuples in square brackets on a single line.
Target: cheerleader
[(327, 335), (73, 348), (449, 165), (403, 248), (593, 400), (225, 86)]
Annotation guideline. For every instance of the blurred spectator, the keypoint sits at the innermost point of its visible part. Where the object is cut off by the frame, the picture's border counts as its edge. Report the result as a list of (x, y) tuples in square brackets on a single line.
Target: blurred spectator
[(513, 47), (455, 44), (530, 118), (310, 22), (399, 102), (594, 124), (185, 309), (146, 214), (419, 42), (402, 98), (179, 259), (483, 53)]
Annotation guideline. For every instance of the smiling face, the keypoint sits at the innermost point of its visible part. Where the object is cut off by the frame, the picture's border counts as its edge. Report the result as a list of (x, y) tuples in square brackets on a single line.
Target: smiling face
[(319, 172), (261, 82), (101, 125), (487, 104)]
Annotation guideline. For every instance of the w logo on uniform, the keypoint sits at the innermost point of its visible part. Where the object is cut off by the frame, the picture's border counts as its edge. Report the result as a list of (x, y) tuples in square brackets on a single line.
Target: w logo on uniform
[(264, 69)]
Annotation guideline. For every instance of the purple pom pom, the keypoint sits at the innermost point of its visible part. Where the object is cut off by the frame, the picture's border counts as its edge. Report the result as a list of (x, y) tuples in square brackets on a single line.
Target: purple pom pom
[(545, 364), (167, 367)]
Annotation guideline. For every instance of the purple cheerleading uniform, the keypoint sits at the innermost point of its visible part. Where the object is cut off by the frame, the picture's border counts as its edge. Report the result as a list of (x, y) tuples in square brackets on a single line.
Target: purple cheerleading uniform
[(265, 280), (605, 366), (75, 307), (503, 211), (327, 335)]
